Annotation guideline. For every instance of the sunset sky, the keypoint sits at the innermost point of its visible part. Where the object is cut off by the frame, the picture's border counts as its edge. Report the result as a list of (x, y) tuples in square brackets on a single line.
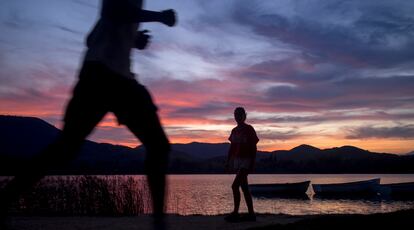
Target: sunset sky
[(323, 73)]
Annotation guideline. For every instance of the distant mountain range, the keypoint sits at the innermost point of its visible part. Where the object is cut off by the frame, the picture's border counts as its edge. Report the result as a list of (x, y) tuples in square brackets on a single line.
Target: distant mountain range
[(23, 137), (410, 153)]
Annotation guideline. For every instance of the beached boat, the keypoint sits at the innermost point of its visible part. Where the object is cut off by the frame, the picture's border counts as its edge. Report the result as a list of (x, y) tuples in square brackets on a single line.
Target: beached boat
[(280, 189), (398, 190), (358, 188)]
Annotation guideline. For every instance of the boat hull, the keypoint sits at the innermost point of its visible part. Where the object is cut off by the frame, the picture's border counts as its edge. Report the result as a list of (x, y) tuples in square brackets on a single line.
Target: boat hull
[(280, 190), (351, 189), (398, 190)]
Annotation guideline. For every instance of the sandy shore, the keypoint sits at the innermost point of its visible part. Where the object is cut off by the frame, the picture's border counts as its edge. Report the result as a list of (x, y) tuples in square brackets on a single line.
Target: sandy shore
[(264, 221), (142, 222)]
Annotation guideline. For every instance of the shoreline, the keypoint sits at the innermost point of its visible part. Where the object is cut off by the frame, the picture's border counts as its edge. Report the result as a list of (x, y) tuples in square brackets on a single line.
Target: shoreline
[(393, 220), (396, 220)]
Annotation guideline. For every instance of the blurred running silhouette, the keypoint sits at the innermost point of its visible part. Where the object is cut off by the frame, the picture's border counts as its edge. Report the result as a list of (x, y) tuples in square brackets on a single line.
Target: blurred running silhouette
[(106, 84), (241, 160)]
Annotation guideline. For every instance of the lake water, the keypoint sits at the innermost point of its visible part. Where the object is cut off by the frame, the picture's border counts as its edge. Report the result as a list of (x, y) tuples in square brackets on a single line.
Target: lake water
[(204, 194), (211, 194)]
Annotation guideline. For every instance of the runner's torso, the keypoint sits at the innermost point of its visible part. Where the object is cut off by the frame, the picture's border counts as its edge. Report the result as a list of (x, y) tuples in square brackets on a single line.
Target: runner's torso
[(112, 38)]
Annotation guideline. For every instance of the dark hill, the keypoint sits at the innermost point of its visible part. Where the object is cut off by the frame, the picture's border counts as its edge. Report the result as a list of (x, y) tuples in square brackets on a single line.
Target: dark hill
[(305, 149), (203, 150), (22, 137), (410, 153)]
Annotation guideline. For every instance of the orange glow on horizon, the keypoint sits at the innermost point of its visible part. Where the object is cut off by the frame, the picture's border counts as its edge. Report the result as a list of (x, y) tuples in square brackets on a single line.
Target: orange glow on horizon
[(182, 135)]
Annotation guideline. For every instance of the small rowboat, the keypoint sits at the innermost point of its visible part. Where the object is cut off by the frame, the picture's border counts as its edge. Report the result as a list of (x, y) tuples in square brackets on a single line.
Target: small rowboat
[(280, 190), (358, 188), (398, 190)]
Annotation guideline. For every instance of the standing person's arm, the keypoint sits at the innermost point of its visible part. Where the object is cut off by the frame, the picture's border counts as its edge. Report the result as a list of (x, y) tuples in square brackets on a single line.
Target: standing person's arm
[(229, 153), (227, 163), (253, 140), (253, 158)]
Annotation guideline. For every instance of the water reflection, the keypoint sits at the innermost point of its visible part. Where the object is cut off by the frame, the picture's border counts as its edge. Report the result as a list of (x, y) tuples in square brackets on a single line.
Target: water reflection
[(211, 194), (283, 196), (206, 195)]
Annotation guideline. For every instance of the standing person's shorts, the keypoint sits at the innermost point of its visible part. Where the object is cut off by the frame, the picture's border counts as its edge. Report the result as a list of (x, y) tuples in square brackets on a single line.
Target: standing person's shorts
[(100, 90), (237, 164)]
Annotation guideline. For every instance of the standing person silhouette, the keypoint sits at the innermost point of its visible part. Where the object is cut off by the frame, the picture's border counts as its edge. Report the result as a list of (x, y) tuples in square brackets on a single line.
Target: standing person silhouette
[(106, 84), (241, 160)]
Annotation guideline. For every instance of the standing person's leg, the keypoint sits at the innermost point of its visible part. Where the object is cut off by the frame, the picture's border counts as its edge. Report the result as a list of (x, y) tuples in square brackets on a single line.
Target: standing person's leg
[(245, 188), (236, 192), (234, 216)]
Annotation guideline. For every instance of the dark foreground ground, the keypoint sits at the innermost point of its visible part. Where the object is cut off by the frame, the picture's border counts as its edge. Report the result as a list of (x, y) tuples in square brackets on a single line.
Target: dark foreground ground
[(392, 221), (395, 220)]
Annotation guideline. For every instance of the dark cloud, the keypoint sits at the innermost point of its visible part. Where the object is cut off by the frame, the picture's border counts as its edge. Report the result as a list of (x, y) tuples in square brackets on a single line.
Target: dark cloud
[(184, 132), (301, 69), (381, 37), (402, 132), (87, 3), (203, 110), (275, 135), (333, 116), (380, 93), (69, 30), (27, 95)]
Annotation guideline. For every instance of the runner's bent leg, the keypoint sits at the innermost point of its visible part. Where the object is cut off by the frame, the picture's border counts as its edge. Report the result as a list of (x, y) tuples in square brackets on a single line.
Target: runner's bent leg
[(147, 128), (79, 123)]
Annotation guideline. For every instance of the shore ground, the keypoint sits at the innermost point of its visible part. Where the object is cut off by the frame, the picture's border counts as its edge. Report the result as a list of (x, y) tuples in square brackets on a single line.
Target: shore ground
[(395, 220)]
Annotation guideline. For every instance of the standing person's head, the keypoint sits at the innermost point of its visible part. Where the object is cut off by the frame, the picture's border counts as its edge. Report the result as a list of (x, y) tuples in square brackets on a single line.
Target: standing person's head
[(239, 115)]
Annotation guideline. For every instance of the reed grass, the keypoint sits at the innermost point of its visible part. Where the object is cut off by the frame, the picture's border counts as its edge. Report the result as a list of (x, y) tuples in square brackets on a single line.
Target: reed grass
[(86, 195)]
